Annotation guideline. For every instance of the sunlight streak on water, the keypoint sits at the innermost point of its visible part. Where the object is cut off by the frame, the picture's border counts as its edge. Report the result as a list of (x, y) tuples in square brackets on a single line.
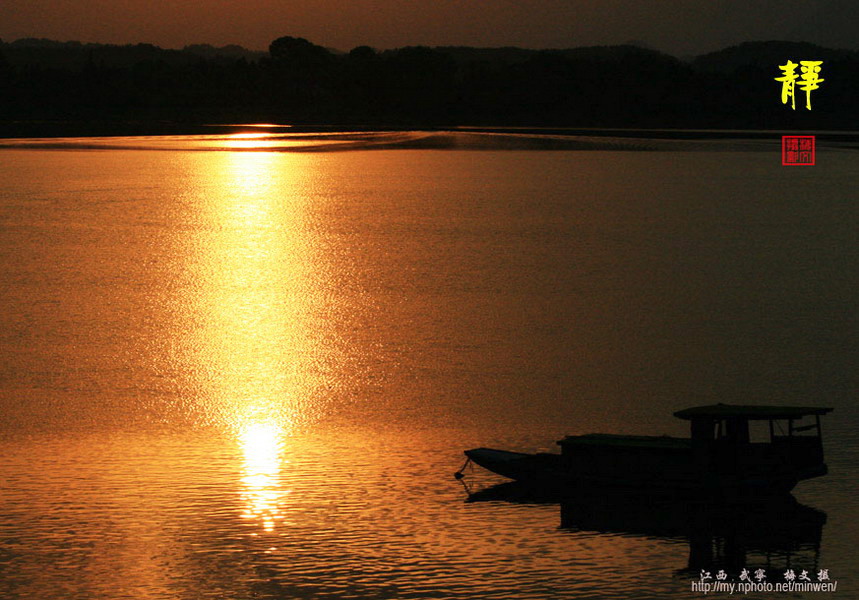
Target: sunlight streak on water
[(249, 141), (263, 493), (255, 342)]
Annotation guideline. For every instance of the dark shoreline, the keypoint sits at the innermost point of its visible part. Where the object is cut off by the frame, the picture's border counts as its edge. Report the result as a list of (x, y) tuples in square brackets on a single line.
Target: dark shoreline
[(80, 129)]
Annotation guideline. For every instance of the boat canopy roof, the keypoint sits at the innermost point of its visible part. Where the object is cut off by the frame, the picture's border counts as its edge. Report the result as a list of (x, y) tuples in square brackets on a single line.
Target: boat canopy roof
[(744, 411)]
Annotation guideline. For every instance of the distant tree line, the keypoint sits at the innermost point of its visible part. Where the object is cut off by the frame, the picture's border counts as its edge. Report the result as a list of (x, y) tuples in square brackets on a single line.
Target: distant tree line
[(302, 83)]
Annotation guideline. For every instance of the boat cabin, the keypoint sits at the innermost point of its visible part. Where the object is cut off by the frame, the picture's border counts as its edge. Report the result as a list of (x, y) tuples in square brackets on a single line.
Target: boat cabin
[(790, 436), (731, 446)]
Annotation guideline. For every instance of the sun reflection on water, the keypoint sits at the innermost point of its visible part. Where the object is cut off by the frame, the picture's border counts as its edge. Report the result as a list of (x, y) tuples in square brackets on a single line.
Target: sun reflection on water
[(252, 141), (256, 347), (263, 494)]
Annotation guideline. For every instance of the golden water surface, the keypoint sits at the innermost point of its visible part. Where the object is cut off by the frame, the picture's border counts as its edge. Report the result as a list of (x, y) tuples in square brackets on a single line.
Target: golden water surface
[(232, 368)]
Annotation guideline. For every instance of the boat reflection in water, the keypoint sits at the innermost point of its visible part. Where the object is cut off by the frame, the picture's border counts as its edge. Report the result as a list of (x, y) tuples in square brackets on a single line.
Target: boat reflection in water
[(775, 532)]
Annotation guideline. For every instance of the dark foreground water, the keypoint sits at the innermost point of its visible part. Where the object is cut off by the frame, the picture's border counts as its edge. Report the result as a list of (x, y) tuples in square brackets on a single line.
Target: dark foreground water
[(251, 374)]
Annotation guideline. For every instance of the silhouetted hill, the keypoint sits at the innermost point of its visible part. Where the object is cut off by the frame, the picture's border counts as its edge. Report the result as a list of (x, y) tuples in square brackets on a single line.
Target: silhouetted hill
[(511, 55), (767, 55), (492, 56), (300, 82), (43, 53), (229, 52), (621, 53), (741, 76)]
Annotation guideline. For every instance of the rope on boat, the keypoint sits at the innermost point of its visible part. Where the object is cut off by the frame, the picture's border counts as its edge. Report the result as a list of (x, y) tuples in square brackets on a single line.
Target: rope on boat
[(460, 474)]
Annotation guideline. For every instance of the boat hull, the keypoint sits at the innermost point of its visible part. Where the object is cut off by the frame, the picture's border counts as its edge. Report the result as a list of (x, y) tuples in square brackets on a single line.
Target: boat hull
[(519, 466), (551, 470)]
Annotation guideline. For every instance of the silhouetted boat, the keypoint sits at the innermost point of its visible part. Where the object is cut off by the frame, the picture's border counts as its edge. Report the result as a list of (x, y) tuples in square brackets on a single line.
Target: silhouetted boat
[(721, 455)]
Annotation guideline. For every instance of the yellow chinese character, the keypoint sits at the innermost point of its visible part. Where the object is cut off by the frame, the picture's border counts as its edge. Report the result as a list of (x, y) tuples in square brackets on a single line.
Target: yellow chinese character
[(810, 78), (788, 82)]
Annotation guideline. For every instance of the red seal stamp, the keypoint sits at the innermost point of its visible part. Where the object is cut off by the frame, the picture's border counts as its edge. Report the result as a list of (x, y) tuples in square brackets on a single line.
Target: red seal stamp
[(797, 150)]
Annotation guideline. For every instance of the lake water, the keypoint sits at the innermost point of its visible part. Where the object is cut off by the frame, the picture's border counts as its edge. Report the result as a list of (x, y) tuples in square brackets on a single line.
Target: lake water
[(246, 367)]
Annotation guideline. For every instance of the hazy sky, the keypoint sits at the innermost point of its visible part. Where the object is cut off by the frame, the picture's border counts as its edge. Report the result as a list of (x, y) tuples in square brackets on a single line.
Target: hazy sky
[(681, 27)]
